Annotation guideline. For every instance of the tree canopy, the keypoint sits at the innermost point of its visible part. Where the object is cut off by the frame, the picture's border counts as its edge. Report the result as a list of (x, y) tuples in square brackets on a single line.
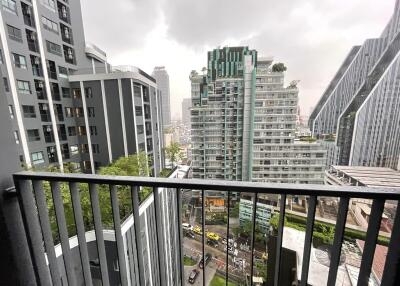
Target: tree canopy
[(173, 152), (279, 67), (133, 165)]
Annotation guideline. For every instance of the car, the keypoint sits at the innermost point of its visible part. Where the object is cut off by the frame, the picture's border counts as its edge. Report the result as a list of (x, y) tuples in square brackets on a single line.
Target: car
[(207, 259), (186, 226), (197, 230), (212, 235), (193, 275), (212, 242)]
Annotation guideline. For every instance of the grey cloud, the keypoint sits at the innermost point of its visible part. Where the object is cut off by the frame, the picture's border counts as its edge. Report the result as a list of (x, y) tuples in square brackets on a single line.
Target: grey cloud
[(119, 25)]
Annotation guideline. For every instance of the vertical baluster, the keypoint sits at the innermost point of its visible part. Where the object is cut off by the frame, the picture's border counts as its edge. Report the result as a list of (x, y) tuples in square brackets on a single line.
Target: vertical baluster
[(253, 237), (180, 233), (279, 239), (46, 230), (308, 240), (159, 238), (138, 236), (118, 236), (80, 230), (374, 224), (391, 272), (62, 229), (337, 241), (203, 211), (98, 227), (227, 242)]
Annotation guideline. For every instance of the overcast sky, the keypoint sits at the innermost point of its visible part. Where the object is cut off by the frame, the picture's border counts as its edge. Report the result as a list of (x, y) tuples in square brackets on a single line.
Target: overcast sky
[(311, 37)]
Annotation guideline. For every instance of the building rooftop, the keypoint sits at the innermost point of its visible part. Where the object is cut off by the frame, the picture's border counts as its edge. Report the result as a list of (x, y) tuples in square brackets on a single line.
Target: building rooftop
[(370, 176)]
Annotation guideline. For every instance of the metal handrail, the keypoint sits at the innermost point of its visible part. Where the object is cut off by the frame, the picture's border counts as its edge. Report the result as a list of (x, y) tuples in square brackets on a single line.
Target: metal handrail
[(219, 185)]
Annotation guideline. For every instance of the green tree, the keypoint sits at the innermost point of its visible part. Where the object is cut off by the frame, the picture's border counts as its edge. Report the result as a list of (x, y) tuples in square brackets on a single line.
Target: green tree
[(279, 67), (133, 165), (173, 152)]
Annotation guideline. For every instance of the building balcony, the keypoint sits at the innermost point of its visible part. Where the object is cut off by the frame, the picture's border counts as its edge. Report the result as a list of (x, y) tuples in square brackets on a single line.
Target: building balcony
[(148, 246)]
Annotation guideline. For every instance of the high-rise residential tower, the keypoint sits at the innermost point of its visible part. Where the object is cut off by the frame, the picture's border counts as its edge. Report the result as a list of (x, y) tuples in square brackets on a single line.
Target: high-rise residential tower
[(244, 123), (186, 105), (360, 107), (42, 49), (162, 79)]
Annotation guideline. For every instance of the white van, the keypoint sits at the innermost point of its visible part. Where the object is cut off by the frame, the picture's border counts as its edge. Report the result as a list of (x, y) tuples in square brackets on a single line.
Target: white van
[(187, 226)]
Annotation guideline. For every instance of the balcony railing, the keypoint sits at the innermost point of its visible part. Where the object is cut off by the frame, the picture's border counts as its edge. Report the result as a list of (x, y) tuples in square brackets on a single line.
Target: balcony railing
[(45, 259)]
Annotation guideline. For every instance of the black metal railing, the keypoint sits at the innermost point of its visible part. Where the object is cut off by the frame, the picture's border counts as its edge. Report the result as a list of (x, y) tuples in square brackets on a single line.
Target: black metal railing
[(29, 187)]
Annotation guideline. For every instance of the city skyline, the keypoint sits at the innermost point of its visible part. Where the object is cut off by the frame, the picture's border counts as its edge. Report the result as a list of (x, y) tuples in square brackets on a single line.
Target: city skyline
[(331, 30)]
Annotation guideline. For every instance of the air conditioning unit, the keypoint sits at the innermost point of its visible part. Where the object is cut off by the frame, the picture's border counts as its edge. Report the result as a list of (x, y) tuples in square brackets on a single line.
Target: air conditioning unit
[(48, 129), (32, 37), (45, 107), (40, 84), (37, 60)]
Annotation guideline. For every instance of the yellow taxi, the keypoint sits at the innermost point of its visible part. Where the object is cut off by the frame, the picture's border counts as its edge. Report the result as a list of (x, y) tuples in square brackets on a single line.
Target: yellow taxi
[(197, 230), (212, 235)]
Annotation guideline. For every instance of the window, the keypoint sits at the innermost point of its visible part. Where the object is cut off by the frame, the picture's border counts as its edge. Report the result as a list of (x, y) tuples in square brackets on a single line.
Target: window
[(62, 72), (53, 48), (29, 111), (66, 33), (11, 111), (90, 111), (138, 110), (69, 112), (93, 130), (49, 4), (16, 137), (76, 93), (27, 13), (140, 129), (63, 12), (51, 67), (36, 66), (72, 131), (69, 54), (88, 92), (81, 130), (37, 158), (9, 6), (74, 149), (6, 86), (14, 33), (50, 25), (51, 153), (79, 112), (65, 92), (40, 90), (33, 135), (19, 61), (23, 86), (95, 148)]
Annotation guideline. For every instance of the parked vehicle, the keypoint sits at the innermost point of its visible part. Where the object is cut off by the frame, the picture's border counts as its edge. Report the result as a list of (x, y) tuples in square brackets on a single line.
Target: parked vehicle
[(197, 230), (212, 235), (193, 275), (186, 226), (207, 259), (212, 242)]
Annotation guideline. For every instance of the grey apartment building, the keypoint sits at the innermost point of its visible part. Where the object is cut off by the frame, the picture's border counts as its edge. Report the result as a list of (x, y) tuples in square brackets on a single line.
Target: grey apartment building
[(244, 123), (162, 78), (360, 107), (186, 105), (57, 92)]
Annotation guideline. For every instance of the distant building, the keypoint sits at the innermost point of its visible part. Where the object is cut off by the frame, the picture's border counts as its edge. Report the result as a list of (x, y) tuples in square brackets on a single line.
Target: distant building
[(62, 96), (162, 79), (264, 213), (361, 104), (244, 123), (373, 177), (186, 105)]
